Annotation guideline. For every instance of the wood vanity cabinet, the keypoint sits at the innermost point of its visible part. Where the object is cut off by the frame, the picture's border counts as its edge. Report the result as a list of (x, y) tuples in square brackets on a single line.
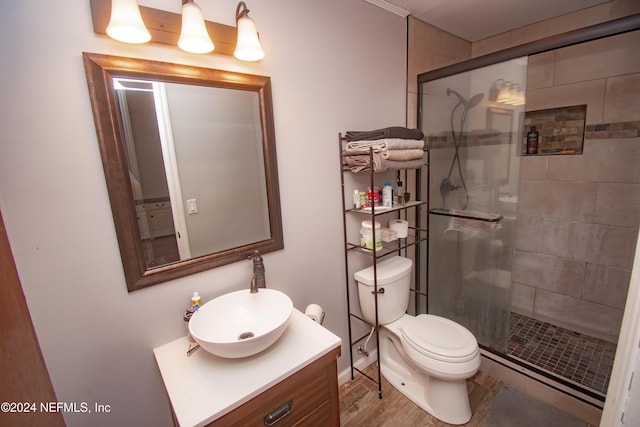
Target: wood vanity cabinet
[(308, 397)]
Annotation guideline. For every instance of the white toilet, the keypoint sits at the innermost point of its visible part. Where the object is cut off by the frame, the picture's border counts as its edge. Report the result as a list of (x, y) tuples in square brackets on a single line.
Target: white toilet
[(426, 357)]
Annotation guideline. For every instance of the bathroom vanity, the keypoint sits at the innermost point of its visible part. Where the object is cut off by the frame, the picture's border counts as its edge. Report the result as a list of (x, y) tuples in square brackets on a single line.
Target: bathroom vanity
[(293, 382)]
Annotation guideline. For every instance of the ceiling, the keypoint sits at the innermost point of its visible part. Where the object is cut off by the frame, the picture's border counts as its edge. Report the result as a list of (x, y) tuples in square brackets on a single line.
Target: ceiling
[(474, 20)]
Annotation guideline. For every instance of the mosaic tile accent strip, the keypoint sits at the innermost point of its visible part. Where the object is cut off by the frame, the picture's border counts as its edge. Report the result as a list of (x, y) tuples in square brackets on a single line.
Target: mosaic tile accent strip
[(613, 130), (593, 131), (579, 358)]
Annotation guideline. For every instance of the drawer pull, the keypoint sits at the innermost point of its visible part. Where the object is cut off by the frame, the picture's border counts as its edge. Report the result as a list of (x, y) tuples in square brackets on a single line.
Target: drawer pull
[(278, 413)]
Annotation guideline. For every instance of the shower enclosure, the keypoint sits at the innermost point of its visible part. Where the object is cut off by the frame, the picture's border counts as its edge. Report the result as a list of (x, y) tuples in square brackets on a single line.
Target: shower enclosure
[(533, 253)]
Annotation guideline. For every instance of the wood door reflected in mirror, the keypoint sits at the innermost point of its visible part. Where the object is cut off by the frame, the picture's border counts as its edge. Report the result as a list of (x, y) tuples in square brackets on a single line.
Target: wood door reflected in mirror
[(190, 162)]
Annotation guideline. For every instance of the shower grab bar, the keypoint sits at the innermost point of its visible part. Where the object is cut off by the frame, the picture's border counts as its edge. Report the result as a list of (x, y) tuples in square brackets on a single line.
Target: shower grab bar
[(460, 213)]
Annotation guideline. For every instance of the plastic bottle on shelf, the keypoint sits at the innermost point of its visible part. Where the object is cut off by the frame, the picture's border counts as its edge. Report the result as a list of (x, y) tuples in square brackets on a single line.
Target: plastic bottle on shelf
[(387, 195), (532, 141), (400, 191), (366, 235), (373, 197)]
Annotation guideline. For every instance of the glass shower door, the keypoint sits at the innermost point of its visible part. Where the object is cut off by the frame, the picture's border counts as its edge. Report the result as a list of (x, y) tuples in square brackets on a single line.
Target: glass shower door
[(471, 121)]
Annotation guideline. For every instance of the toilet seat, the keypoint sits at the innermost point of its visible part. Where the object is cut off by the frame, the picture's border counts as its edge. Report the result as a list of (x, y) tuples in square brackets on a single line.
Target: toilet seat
[(439, 338)]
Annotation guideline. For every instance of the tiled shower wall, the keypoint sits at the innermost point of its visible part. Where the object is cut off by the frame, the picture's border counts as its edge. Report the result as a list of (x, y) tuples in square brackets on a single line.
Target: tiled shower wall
[(579, 215), (607, 172)]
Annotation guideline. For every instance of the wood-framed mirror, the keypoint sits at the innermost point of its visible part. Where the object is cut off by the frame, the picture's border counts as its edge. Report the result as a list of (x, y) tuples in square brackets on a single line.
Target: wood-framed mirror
[(189, 158)]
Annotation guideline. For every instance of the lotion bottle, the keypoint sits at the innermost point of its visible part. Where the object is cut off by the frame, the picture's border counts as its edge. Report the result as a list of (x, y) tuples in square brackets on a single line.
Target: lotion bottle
[(387, 195), (196, 302)]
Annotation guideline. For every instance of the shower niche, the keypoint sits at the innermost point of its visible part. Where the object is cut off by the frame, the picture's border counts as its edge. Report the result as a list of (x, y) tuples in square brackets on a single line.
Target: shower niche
[(559, 130)]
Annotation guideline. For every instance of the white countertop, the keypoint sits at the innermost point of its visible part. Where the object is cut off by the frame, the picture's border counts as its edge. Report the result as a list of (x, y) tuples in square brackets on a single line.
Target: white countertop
[(203, 387)]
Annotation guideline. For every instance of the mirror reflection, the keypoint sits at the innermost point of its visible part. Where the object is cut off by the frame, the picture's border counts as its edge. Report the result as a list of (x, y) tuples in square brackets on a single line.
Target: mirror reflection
[(196, 167), (190, 164)]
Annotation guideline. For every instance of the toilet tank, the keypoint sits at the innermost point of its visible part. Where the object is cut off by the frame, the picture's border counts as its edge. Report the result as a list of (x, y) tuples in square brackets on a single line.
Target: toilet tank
[(394, 277)]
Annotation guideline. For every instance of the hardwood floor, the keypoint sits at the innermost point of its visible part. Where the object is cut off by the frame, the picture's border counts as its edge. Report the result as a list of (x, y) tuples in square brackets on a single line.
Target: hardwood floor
[(360, 405)]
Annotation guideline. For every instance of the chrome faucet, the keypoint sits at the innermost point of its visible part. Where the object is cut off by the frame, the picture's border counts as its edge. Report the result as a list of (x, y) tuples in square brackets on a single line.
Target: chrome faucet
[(258, 280)]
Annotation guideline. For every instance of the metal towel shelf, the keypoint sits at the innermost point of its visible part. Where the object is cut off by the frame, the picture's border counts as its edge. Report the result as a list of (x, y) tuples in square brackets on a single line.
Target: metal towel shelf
[(459, 213)]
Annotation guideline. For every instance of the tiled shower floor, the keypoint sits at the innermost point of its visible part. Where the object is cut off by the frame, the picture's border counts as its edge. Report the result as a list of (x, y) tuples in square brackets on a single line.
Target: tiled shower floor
[(579, 358)]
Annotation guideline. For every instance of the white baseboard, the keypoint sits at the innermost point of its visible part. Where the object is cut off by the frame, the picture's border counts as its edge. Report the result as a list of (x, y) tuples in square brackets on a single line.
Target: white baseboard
[(361, 362)]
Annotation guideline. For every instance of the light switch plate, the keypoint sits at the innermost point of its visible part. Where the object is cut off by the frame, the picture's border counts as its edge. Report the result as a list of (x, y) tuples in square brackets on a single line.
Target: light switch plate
[(192, 206)]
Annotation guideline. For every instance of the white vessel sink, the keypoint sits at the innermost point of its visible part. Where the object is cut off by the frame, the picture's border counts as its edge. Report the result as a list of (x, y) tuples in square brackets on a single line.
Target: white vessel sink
[(241, 324)]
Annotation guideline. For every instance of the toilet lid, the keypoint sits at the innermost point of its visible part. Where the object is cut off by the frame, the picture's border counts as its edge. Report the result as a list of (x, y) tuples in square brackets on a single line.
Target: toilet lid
[(440, 338)]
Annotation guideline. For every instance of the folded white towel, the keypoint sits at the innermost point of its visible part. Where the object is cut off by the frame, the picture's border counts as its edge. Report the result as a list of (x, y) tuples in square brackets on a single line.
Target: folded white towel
[(361, 162), (473, 227), (400, 155), (380, 145)]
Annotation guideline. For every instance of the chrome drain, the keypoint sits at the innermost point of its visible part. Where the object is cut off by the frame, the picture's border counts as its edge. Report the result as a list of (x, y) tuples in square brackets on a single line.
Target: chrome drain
[(245, 335)]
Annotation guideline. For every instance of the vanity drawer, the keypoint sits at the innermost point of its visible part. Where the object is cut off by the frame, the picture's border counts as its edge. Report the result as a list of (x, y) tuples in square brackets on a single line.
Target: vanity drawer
[(312, 391), (322, 416)]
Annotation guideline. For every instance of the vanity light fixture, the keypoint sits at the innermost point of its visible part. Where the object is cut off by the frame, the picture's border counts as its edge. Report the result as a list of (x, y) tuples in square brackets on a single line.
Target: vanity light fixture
[(505, 92), (126, 23), (194, 37), (516, 94), (248, 46), (183, 30)]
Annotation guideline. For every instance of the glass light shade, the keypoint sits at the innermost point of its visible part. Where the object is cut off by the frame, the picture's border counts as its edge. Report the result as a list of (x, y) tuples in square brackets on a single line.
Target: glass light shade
[(248, 46), (504, 96), (126, 23), (194, 37), (512, 93)]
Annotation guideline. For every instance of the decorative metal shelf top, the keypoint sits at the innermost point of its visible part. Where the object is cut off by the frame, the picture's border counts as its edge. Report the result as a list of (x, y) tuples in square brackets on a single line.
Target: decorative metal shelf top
[(379, 210)]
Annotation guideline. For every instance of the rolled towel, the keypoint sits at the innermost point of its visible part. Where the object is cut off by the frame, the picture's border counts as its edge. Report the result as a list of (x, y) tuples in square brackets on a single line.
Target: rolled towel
[(388, 132), (411, 154), (402, 155), (384, 145), (361, 162)]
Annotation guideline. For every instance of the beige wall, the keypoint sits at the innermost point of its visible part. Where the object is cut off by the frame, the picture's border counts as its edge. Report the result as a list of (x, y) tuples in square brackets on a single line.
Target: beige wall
[(97, 339), (579, 215), (429, 48), (572, 21)]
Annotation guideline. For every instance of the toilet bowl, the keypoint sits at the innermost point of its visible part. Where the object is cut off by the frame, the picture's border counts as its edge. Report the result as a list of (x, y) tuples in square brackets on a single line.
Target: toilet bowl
[(427, 358)]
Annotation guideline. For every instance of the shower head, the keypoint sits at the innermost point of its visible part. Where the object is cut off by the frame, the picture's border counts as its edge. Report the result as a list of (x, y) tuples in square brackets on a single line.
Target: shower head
[(475, 100), (460, 97)]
